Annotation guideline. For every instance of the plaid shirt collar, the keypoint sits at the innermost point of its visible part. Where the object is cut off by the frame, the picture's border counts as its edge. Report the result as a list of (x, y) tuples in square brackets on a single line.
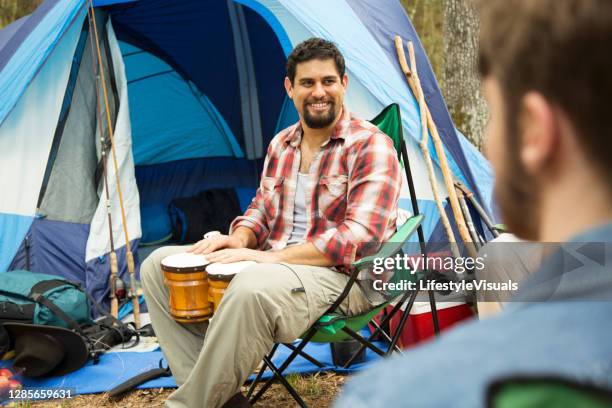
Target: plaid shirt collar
[(340, 131)]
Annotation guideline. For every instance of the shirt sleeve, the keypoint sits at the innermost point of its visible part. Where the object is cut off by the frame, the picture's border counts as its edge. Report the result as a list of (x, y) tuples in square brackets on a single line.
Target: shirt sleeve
[(254, 217), (373, 194)]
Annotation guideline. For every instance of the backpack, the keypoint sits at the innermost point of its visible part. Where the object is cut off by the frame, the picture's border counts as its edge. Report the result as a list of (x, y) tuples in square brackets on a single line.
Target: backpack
[(30, 297)]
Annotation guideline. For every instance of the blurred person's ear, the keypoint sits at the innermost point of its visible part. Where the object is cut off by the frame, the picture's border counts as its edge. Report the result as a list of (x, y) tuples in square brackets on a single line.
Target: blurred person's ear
[(539, 133)]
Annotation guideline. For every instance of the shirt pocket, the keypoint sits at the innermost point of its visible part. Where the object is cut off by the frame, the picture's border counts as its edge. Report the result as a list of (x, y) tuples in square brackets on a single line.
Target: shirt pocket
[(332, 197), (272, 188)]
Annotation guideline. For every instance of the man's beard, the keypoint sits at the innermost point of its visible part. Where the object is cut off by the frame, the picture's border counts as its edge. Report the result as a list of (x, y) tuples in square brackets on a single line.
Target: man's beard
[(516, 192), (320, 121)]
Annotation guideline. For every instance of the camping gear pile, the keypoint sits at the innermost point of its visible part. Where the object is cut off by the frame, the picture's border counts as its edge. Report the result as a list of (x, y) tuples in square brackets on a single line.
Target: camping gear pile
[(46, 321)]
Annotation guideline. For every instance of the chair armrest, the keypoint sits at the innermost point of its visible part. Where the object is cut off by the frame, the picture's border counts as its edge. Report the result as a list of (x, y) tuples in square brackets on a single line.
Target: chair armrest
[(393, 245)]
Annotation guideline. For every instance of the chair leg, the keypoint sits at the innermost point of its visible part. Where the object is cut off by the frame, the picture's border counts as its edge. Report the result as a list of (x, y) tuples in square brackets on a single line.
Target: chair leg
[(402, 322), (261, 372), (304, 355), (387, 318), (363, 341), (285, 383), (284, 366), (384, 334)]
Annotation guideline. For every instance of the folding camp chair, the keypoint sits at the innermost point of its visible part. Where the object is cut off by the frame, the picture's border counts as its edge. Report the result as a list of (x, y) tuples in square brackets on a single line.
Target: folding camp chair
[(334, 326)]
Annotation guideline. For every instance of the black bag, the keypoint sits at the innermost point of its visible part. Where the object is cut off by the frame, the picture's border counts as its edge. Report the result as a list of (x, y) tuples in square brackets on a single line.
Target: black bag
[(210, 210)]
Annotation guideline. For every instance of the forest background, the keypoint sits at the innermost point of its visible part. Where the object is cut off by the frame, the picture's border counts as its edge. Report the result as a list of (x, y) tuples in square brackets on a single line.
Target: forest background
[(448, 30)]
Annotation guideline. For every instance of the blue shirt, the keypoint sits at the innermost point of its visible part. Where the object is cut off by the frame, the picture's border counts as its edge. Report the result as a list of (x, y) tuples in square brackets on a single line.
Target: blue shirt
[(561, 324)]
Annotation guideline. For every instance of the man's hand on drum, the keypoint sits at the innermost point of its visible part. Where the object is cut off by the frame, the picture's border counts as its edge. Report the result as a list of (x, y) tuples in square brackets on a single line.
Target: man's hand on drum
[(242, 254), (214, 243)]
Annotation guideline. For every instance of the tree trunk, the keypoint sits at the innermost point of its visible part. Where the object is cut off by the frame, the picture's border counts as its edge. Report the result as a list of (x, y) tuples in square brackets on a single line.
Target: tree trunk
[(461, 81)]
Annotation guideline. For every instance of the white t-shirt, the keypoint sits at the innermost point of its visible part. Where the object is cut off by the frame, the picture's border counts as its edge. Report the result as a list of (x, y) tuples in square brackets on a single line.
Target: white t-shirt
[(299, 211)]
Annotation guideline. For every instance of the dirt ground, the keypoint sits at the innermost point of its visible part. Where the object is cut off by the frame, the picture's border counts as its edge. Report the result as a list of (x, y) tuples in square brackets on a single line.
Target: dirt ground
[(318, 390)]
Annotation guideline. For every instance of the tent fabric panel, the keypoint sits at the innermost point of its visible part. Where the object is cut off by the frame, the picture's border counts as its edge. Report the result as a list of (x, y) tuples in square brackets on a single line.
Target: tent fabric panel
[(100, 3), (249, 103), (429, 210), (24, 142), (98, 242), (160, 184), (163, 182), (288, 115), (279, 19), (269, 68), (71, 192), (13, 229), (22, 65), (171, 119), (7, 32), (359, 100), (145, 24), (483, 171), (385, 19), (54, 247), (15, 33)]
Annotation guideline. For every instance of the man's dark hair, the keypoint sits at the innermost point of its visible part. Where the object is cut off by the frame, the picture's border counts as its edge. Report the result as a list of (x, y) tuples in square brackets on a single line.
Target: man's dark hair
[(314, 48), (561, 49)]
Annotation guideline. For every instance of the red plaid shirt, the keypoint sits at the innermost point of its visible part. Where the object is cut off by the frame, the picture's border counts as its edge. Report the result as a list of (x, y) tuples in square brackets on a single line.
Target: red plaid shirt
[(351, 196)]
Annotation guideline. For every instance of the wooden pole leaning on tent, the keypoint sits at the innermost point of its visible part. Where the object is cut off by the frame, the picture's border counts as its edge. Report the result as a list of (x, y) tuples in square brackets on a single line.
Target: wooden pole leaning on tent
[(114, 266), (425, 150), (424, 147), (446, 173), (128, 251)]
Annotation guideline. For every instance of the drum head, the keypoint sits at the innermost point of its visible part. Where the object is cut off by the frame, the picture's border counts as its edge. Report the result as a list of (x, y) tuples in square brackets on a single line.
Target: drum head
[(228, 270), (184, 262)]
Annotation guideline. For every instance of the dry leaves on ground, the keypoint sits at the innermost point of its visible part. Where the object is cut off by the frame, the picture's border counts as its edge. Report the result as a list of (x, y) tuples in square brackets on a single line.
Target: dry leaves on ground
[(317, 390)]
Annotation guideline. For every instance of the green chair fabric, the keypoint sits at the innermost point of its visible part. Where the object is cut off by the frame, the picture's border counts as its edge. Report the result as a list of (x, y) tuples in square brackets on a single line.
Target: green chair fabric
[(389, 122), (547, 393), (330, 325)]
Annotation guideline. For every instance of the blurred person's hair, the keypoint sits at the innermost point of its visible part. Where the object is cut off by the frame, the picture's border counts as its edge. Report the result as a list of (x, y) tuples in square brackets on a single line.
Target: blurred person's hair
[(561, 49)]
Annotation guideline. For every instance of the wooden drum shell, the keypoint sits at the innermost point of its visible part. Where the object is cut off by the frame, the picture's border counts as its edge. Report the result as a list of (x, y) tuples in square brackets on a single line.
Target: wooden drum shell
[(217, 284), (188, 287)]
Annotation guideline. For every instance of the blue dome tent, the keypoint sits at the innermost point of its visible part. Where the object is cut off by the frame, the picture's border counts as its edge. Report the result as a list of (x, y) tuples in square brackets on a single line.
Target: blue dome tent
[(196, 95)]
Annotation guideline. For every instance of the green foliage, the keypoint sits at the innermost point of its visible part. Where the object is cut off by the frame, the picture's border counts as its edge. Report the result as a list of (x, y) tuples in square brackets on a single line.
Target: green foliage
[(11, 10)]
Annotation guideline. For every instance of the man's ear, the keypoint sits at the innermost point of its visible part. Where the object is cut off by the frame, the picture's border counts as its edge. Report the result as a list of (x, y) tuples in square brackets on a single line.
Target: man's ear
[(289, 87), (345, 81), (539, 132)]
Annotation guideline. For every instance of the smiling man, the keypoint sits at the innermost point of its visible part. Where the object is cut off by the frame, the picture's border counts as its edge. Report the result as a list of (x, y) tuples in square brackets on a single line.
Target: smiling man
[(546, 67), (330, 186)]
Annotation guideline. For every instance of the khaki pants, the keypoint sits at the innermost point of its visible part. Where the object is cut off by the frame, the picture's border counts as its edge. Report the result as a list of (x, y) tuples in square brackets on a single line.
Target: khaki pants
[(261, 306)]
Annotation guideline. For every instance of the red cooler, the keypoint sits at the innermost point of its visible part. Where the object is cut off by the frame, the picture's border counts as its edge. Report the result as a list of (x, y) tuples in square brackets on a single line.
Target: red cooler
[(419, 326)]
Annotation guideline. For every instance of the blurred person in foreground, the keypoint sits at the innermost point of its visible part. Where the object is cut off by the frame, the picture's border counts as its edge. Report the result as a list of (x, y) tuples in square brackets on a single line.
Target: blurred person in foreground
[(546, 74)]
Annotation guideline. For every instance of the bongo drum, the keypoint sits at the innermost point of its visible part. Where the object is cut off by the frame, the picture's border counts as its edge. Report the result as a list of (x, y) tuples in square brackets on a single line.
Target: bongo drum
[(219, 277), (185, 276)]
